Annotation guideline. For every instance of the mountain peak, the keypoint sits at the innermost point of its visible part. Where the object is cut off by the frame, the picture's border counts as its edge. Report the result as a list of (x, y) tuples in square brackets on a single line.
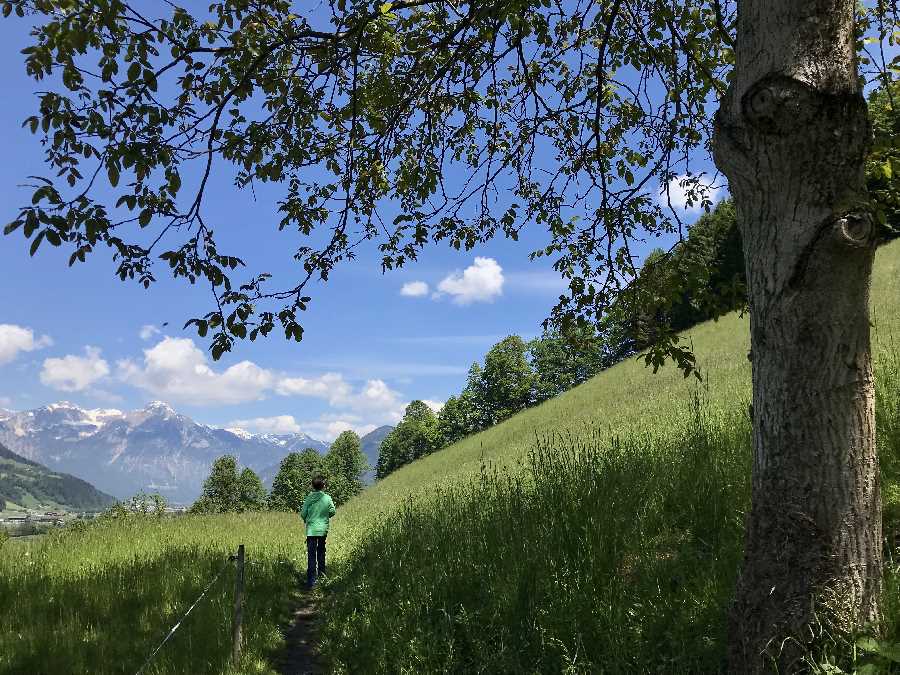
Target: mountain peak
[(62, 405), (240, 433), (159, 407)]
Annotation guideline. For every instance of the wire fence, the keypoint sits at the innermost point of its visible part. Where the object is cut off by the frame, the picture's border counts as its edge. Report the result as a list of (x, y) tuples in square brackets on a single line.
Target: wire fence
[(238, 609)]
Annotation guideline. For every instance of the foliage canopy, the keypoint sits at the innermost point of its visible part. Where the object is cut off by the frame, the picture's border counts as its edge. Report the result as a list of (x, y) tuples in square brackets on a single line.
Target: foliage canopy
[(565, 115)]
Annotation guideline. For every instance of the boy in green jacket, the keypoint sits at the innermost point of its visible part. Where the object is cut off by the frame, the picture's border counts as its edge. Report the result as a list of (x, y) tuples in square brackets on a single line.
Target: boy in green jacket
[(317, 509)]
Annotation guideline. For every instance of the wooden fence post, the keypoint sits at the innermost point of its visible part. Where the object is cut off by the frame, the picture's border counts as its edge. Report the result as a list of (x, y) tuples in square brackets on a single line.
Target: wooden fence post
[(238, 606)]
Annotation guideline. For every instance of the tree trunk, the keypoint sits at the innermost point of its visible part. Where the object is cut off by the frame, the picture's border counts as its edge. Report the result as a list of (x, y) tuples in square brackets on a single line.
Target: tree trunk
[(791, 136)]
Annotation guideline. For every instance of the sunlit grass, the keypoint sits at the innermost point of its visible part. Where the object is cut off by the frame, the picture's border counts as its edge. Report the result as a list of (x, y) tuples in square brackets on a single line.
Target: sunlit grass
[(99, 601)]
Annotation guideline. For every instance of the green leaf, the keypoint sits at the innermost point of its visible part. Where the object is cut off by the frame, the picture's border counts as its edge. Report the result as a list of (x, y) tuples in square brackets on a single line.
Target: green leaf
[(150, 79), (36, 243), (112, 172), (144, 218), (868, 644), (868, 669), (174, 183)]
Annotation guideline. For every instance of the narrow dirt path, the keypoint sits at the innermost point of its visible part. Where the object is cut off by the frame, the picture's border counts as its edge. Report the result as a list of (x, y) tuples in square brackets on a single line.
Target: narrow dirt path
[(300, 656)]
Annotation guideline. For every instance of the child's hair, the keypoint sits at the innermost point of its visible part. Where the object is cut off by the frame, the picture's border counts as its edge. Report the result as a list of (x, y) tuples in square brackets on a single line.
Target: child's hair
[(318, 483)]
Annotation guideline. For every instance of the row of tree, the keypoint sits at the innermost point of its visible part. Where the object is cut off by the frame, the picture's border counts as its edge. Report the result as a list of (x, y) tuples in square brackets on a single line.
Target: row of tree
[(517, 374), (227, 491), (342, 467)]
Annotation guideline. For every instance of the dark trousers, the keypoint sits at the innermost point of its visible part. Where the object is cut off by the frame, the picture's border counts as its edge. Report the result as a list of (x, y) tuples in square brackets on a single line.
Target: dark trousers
[(315, 559)]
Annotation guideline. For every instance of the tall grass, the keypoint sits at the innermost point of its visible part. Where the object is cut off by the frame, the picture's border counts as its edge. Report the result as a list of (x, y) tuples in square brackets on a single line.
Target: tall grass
[(605, 555), (100, 600)]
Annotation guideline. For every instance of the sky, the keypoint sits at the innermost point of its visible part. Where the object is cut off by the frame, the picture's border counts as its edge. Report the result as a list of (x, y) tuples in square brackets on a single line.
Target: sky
[(372, 341)]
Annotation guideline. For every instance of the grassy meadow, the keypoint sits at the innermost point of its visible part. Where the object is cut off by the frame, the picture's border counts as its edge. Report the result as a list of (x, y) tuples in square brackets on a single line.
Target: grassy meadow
[(598, 532)]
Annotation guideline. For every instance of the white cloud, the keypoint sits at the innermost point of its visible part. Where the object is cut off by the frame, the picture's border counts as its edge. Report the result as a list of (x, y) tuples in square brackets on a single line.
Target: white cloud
[(414, 289), (440, 340), (329, 427), (434, 405), (376, 395), (74, 373), (147, 332), (175, 369), (5, 401), (279, 424), (359, 367), (326, 428), (15, 339), (106, 397), (331, 386), (686, 186), (480, 282)]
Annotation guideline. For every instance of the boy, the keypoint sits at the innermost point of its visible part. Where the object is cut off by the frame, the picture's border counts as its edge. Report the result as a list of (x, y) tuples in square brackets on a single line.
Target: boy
[(317, 509)]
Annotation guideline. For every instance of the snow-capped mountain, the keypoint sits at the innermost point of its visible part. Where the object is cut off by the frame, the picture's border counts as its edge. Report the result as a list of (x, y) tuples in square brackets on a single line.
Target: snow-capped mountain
[(153, 449)]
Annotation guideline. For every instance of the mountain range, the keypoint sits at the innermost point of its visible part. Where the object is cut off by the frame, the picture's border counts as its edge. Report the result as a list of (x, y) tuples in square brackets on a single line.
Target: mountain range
[(154, 449)]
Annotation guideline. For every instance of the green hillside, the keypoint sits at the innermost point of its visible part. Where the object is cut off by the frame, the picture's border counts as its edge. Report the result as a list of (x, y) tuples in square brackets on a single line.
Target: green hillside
[(601, 531), (28, 485), (598, 532), (626, 399)]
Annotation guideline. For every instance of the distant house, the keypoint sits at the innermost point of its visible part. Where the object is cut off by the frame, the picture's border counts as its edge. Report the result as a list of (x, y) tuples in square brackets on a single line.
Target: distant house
[(48, 518)]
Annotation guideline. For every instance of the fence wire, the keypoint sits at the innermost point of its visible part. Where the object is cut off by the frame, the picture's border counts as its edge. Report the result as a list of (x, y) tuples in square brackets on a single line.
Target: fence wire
[(186, 614)]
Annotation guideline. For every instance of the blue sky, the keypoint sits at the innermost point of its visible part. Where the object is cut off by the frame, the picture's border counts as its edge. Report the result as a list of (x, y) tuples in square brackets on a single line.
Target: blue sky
[(373, 341)]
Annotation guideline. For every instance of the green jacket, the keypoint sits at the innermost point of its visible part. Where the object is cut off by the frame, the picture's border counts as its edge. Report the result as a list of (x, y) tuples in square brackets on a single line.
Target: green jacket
[(317, 509)]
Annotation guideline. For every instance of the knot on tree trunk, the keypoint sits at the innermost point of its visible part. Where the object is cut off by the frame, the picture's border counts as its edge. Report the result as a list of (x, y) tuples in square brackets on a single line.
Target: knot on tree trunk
[(781, 105), (783, 129)]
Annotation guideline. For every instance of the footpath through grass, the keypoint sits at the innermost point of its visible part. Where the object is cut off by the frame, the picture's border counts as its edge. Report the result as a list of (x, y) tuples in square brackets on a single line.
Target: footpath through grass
[(452, 563)]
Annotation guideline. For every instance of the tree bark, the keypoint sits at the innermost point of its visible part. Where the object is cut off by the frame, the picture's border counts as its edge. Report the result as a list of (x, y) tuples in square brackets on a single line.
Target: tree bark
[(791, 136)]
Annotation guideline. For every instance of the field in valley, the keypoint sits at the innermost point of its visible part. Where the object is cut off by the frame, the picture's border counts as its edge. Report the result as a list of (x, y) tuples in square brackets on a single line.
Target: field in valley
[(598, 532)]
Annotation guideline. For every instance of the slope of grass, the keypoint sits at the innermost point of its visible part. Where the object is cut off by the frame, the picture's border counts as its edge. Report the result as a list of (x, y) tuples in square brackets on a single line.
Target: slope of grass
[(451, 563), (625, 399), (31, 485), (602, 555)]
